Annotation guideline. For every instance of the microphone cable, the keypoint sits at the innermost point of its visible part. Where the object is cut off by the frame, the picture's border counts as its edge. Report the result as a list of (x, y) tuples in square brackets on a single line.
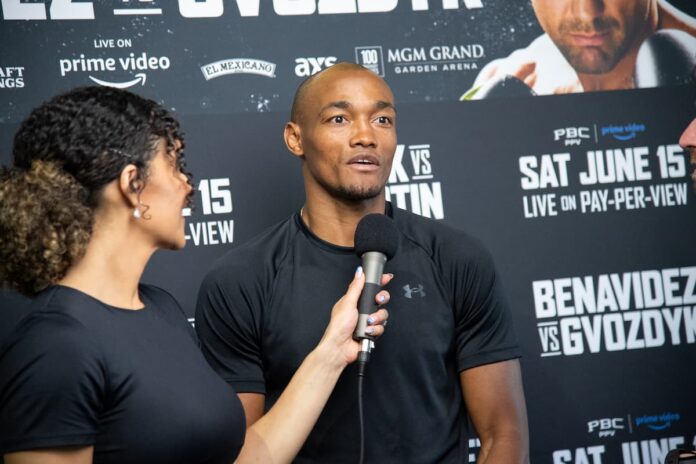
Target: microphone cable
[(361, 377)]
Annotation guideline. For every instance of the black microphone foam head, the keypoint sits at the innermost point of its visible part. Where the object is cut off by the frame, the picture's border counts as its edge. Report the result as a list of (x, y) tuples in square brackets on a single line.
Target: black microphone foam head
[(376, 232)]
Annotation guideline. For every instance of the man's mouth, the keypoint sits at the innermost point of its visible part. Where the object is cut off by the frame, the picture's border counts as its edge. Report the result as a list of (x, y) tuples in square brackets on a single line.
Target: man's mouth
[(592, 39), (367, 161)]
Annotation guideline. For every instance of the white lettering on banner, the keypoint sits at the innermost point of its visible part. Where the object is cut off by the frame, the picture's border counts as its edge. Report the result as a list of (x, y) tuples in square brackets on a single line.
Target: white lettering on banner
[(436, 58), (100, 64), (424, 198), (11, 77), (214, 8), (60, 9), (473, 443), (422, 5), (589, 455), (649, 451), (211, 232), (616, 312), (552, 171), (305, 67), (606, 426), (572, 135), (216, 198), (68, 9), (113, 43), (608, 166), (613, 166)]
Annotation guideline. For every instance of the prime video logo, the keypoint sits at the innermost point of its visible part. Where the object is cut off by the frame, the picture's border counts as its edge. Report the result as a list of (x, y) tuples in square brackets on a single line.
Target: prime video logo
[(658, 422), (627, 132)]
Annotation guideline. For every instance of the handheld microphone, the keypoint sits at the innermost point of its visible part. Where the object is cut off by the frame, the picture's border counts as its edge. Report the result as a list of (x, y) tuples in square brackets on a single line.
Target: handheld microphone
[(376, 241)]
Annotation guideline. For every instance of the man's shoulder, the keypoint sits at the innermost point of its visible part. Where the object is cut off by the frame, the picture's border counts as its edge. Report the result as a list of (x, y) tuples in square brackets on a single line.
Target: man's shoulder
[(442, 242), (255, 256)]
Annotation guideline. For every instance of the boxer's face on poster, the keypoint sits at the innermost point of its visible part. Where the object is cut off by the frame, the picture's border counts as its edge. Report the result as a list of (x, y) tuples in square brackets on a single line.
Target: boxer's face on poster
[(593, 35)]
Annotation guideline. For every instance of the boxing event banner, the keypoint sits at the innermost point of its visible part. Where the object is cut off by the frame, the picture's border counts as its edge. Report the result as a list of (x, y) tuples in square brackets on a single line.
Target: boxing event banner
[(221, 57), (584, 200)]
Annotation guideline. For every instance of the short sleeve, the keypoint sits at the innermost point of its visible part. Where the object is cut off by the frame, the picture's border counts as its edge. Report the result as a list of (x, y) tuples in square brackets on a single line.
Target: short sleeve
[(51, 385), (228, 324), (483, 325)]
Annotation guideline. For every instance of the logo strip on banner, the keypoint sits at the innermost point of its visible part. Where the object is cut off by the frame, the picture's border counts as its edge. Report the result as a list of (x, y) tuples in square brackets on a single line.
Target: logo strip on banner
[(238, 66)]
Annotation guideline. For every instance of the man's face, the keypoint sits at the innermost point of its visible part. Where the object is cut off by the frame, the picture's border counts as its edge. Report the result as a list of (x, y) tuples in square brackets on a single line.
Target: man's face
[(688, 143), (348, 134), (593, 35)]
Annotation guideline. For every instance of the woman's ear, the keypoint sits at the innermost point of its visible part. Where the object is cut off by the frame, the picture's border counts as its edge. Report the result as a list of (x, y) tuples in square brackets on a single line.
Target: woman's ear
[(130, 184)]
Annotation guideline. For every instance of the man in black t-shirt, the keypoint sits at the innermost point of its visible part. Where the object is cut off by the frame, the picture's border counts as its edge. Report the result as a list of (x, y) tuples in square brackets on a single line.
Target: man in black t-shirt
[(449, 352)]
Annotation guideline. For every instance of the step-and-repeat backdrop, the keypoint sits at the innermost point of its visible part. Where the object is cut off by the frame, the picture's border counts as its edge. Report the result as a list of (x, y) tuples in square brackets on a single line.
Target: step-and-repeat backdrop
[(583, 198)]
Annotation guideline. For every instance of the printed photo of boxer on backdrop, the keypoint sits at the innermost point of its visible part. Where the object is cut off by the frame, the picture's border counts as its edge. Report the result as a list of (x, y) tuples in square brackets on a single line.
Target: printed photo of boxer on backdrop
[(591, 45)]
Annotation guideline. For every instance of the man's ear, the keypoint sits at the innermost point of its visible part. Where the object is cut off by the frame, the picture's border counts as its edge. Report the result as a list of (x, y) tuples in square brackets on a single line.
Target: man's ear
[(293, 138), (130, 184)]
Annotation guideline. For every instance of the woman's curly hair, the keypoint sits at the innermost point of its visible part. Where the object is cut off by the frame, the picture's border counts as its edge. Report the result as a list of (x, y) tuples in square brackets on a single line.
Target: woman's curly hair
[(65, 153)]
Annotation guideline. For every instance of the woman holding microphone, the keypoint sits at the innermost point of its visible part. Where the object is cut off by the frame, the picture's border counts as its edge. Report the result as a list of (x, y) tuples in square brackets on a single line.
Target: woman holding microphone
[(104, 369)]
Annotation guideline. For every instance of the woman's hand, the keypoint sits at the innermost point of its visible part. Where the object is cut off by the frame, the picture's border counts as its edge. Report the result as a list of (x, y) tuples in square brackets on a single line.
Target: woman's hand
[(338, 337)]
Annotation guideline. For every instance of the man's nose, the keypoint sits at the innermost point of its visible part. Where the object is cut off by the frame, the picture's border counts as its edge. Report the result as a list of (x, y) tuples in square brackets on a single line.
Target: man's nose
[(363, 134), (587, 10)]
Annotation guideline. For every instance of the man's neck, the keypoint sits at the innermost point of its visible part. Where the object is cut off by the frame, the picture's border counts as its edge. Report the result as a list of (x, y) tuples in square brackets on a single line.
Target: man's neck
[(621, 77), (334, 220)]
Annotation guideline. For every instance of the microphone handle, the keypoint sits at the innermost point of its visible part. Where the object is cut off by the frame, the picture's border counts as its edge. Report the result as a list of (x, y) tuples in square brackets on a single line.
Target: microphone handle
[(373, 267)]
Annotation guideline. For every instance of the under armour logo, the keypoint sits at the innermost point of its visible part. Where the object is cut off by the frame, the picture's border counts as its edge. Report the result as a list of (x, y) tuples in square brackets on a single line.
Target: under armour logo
[(408, 291)]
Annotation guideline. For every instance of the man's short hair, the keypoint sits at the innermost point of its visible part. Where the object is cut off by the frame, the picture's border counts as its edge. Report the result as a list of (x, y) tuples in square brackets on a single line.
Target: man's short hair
[(301, 92)]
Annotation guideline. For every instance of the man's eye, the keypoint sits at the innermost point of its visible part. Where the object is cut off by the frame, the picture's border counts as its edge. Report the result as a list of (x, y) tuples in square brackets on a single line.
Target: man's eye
[(384, 120), (338, 119)]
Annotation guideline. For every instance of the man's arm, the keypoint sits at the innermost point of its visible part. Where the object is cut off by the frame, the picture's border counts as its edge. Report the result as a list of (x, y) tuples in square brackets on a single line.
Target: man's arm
[(540, 66), (495, 401)]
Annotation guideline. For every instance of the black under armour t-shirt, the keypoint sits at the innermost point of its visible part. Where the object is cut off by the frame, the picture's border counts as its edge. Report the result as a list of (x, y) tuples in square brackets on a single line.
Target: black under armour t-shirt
[(133, 384), (265, 305)]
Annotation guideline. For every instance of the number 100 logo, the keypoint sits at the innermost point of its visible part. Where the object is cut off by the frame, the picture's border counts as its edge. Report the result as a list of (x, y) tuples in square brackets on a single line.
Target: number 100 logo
[(371, 58)]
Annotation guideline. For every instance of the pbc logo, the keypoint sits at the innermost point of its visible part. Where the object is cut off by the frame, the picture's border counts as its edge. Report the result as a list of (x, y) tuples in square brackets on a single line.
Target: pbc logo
[(305, 67), (571, 135), (606, 427)]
